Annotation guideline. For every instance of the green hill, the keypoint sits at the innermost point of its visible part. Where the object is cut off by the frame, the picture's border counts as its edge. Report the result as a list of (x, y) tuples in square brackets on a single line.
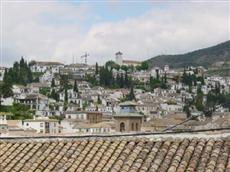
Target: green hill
[(206, 57)]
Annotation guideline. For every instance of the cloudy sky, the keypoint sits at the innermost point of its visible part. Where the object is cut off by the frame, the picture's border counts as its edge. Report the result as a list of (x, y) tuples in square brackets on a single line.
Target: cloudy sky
[(59, 30)]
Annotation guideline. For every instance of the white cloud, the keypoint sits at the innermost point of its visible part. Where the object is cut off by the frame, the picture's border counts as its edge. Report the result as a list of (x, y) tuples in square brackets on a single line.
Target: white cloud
[(176, 29)]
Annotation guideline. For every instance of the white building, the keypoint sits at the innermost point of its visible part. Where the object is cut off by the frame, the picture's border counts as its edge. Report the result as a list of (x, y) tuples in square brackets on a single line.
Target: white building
[(42, 125), (82, 116), (41, 67), (73, 97), (37, 102), (2, 72), (166, 68), (97, 128), (46, 77)]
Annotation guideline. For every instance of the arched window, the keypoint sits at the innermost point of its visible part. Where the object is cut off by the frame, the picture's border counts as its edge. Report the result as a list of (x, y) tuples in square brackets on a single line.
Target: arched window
[(136, 126), (122, 127), (133, 129)]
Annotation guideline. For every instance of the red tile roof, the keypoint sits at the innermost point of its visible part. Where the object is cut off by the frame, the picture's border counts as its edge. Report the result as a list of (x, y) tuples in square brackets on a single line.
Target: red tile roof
[(121, 154)]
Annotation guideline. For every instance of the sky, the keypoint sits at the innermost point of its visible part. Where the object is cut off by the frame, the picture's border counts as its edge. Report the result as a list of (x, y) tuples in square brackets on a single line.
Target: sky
[(47, 30)]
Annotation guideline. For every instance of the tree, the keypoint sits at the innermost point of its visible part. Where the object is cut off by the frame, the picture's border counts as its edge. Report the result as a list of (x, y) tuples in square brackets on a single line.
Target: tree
[(158, 75), (96, 71), (20, 111), (99, 99), (53, 83), (154, 83), (20, 73), (121, 81), (199, 99), (54, 95), (112, 65), (126, 79), (227, 101), (131, 95), (187, 110), (75, 88), (6, 87), (7, 90), (66, 96), (143, 66), (1, 94), (165, 78), (64, 82)]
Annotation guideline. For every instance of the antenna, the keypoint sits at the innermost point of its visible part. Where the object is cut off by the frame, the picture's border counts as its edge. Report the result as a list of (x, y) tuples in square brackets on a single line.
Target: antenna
[(85, 56), (72, 58)]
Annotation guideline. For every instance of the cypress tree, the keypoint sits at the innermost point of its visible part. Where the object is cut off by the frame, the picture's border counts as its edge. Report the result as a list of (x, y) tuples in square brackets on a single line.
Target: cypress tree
[(66, 96), (75, 88), (96, 72), (131, 95), (53, 83)]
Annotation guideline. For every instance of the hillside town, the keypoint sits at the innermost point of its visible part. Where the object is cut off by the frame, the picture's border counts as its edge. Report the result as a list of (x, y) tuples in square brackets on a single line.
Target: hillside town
[(122, 96)]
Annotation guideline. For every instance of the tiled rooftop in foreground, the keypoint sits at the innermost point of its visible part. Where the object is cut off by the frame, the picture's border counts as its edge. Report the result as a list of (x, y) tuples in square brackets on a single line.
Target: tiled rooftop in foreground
[(129, 154)]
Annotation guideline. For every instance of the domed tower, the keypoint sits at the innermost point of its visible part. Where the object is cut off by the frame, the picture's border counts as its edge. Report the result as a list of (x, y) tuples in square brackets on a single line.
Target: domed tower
[(128, 119)]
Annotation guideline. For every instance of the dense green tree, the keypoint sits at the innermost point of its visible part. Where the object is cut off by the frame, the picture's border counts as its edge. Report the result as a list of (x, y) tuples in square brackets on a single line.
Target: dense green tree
[(20, 112), (143, 66), (131, 95), (199, 99), (186, 109), (226, 104), (154, 83), (99, 99), (20, 73), (127, 82), (6, 86), (53, 83), (112, 65), (54, 95), (106, 78), (64, 82), (96, 69), (1, 95), (66, 96), (121, 83), (157, 74), (75, 88)]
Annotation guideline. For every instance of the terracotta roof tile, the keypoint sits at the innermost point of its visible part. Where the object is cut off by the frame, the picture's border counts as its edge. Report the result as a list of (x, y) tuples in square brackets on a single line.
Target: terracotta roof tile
[(120, 154)]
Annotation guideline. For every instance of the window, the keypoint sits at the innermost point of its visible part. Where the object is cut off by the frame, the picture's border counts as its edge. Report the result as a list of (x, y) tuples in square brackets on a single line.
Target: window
[(122, 127), (136, 126), (41, 125), (133, 127)]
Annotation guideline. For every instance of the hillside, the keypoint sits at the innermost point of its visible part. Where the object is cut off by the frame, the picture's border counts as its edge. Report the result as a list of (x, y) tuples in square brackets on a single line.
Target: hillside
[(206, 57)]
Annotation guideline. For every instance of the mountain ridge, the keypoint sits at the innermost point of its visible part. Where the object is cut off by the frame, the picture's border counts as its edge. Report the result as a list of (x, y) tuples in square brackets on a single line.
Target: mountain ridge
[(206, 57)]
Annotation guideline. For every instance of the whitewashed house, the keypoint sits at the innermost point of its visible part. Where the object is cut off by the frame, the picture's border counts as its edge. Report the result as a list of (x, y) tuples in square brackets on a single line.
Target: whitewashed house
[(46, 77), (73, 115), (73, 97), (42, 125), (34, 101), (42, 66)]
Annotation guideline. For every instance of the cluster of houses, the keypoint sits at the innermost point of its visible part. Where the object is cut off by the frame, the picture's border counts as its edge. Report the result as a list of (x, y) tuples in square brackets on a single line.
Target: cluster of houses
[(98, 110)]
